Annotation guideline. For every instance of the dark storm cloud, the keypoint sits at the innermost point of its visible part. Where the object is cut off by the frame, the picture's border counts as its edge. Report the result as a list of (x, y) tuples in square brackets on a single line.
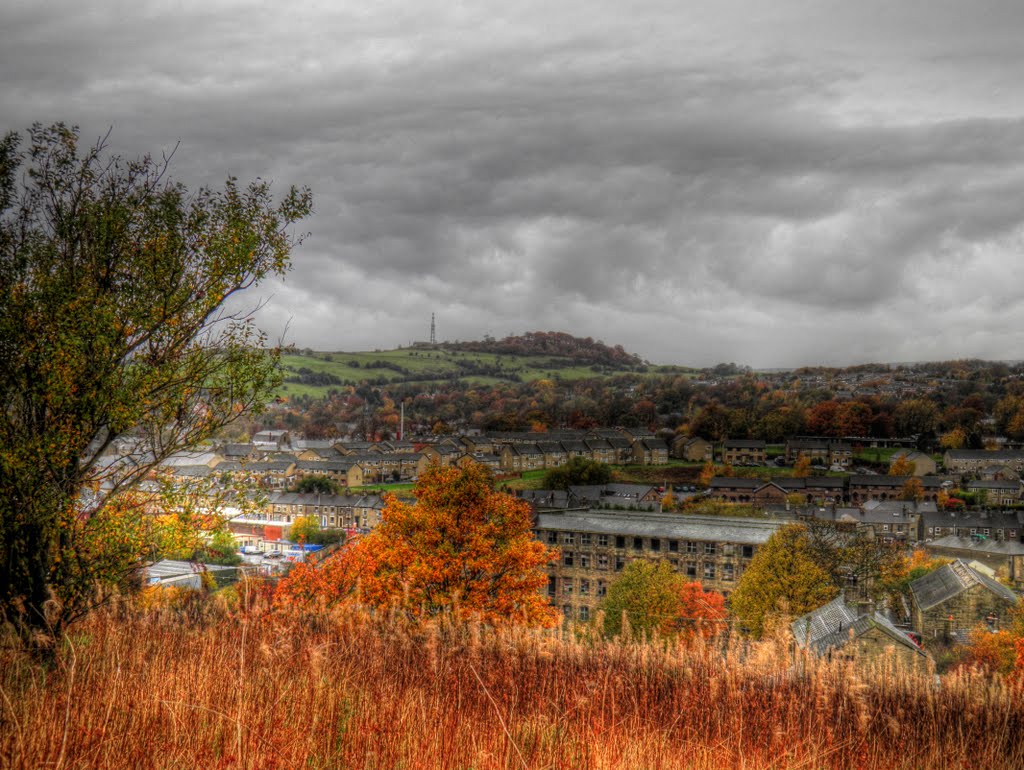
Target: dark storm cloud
[(699, 182)]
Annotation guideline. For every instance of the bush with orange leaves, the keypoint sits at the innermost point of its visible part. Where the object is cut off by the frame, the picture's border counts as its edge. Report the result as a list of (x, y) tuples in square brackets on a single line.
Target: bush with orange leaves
[(462, 548)]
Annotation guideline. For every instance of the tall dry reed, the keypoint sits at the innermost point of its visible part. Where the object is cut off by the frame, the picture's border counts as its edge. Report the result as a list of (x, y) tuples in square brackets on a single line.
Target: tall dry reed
[(204, 688)]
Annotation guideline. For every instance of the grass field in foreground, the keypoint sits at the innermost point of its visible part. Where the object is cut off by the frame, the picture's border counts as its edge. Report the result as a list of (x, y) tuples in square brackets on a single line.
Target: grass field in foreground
[(198, 688)]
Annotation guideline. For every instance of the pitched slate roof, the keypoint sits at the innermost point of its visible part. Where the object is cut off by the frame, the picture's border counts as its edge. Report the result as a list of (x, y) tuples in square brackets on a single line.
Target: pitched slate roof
[(987, 546), (1006, 484), (953, 579), (985, 454), (662, 525), (836, 624), (735, 482), (742, 443)]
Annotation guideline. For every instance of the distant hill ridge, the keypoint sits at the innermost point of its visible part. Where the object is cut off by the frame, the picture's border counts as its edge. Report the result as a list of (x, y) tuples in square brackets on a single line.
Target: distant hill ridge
[(581, 349)]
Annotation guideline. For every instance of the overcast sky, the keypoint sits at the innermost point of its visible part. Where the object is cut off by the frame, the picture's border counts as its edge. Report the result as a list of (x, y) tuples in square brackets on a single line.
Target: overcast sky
[(771, 183)]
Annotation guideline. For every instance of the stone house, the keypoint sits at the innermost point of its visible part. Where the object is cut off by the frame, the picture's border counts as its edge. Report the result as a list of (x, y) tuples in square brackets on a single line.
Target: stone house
[(837, 630), (947, 603), (979, 525), (622, 447), (971, 461), (881, 487), (898, 521), (521, 457), (820, 489), (443, 454), (997, 491), (554, 454), (314, 454), (601, 450), (615, 496), (1004, 557), (694, 449), (595, 545), (744, 452), (924, 465), (650, 451), (348, 474), (272, 440), (733, 489), (820, 451)]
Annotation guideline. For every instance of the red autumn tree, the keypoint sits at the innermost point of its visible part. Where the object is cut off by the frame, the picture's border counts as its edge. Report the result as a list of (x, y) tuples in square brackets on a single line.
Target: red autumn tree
[(461, 547), (700, 612)]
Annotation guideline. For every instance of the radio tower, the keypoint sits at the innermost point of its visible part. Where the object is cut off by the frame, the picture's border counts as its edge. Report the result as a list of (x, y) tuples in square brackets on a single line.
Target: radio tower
[(433, 335)]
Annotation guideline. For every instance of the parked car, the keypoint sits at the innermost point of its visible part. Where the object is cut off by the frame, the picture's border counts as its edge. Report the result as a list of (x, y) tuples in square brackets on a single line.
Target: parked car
[(273, 555)]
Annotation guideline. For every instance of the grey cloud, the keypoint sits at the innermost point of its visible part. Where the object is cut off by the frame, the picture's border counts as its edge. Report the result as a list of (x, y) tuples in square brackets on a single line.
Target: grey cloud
[(525, 166)]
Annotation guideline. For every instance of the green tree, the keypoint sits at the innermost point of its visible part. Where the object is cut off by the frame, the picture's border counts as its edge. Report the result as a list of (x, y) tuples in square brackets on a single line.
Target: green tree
[(319, 484), (578, 471), (647, 594), (652, 597), (119, 328), (783, 577), (303, 528)]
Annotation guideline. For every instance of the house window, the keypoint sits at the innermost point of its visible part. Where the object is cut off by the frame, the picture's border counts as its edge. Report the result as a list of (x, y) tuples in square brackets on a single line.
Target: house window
[(673, 546), (566, 585), (584, 613), (691, 547), (728, 572), (567, 611), (620, 541), (691, 569), (568, 538), (602, 540), (709, 570), (552, 538), (602, 561), (655, 544), (748, 552), (885, 527), (584, 561), (585, 538), (551, 585), (986, 531), (638, 544), (620, 563), (602, 588), (709, 549), (584, 588), (567, 558)]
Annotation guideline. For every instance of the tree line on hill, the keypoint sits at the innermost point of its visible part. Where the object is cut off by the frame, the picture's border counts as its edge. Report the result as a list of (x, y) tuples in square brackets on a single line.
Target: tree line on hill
[(955, 411)]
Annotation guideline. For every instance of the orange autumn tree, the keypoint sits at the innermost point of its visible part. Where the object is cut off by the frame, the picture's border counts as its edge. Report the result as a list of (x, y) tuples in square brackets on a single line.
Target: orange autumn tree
[(802, 466), (902, 466), (460, 547)]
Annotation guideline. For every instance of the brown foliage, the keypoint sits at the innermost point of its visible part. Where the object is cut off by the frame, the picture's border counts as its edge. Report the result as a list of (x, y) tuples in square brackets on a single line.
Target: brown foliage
[(159, 690), (461, 547)]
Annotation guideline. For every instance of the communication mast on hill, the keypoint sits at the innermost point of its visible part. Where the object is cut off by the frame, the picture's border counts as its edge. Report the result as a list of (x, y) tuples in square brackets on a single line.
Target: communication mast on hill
[(433, 331)]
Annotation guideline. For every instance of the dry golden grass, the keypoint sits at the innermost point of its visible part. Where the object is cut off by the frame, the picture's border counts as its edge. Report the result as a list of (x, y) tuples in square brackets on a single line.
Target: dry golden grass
[(200, 687)]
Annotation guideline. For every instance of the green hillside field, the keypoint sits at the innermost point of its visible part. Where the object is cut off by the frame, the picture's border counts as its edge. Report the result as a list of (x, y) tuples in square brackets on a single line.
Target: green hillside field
[(426, 365)]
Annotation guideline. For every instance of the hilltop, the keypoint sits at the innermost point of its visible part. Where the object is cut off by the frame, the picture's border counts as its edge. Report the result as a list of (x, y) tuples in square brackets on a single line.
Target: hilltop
[(525, 358)]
